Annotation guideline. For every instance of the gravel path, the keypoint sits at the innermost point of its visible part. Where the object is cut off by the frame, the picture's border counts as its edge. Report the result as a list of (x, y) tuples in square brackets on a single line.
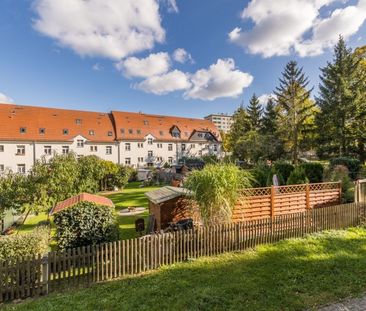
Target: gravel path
[(356, 304)]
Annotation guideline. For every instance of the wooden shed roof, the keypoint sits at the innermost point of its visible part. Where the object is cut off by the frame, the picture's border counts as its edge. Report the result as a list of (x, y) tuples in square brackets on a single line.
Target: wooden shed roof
[(166, 193)]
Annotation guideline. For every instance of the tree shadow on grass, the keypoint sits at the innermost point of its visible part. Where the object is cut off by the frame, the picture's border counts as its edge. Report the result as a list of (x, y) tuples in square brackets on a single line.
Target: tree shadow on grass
[(291, 275)]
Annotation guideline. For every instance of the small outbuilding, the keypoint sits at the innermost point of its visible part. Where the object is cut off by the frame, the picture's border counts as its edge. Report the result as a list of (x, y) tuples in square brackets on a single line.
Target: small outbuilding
[(82, 197), (167, 205)]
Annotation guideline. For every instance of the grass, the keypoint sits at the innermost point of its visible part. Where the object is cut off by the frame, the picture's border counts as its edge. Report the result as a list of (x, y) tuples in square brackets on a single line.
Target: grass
[(296, 274), (131, 195)]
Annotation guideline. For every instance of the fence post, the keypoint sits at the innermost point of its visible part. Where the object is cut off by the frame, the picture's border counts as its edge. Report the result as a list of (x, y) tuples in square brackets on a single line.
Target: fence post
[(272, 201), (45, 272), (307, 187)]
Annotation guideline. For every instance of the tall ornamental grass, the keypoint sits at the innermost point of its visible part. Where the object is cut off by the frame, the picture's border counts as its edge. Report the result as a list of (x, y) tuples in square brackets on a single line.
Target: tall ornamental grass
[(216, 189)]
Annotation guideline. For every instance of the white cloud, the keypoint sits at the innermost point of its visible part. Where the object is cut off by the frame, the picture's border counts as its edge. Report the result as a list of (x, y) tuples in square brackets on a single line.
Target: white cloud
[(172, 6), (181, 56), (5, 99), (263, 99), (107, 28), (166, 83), (97, 67), (219, 80), (282, 26), (154, 64)]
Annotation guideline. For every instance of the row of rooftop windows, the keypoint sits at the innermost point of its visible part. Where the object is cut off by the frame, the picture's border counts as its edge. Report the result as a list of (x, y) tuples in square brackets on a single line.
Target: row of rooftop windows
[(42, 131)]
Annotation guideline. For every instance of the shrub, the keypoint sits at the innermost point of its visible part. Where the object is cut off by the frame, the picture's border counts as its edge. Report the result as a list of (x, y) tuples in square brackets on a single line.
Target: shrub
[(341, 173), (313, 171), (216, 188), (84, 224), (284, 169), (260, 174), (297, 176), (25, 245), (120, 179), (353, 165)]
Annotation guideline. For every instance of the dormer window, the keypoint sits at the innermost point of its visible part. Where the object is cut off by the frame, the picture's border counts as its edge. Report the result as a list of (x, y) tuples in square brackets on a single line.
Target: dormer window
[(42, 131), (161, 133), (122, 131), (138, 131), (65, 131), (110, 133), (80, 143), (200, 135), (130, 131), (23, 130), (91, 133), (146, 122), (150, 141), (78, 121)]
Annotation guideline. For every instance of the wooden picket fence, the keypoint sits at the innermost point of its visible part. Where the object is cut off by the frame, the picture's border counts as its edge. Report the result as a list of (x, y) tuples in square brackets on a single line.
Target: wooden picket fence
[(92, 264)]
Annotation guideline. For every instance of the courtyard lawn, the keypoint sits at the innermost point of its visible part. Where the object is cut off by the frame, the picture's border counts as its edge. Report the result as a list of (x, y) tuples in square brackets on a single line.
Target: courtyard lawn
[(131, 195), (296, 274)]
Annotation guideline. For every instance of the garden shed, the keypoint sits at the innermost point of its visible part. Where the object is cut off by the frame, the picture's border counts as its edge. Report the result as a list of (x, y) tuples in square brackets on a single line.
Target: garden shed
[(82, 197), (167, 205)]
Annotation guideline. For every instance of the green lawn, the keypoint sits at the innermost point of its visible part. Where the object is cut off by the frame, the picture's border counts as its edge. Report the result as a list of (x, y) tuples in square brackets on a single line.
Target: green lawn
[(297, 274), (131, 195)]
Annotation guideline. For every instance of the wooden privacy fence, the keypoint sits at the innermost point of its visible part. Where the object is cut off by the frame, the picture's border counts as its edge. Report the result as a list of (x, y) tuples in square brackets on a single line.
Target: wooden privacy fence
[(86, 265), (256, 203)]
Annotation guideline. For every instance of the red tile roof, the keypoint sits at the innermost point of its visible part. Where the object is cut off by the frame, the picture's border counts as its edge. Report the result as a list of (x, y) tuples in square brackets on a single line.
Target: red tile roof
[(53, 121), (82, 197), (157, 125)]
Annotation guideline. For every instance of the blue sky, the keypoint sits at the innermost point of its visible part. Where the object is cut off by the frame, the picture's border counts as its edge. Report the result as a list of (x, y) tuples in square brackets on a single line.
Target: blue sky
[(81, 55)]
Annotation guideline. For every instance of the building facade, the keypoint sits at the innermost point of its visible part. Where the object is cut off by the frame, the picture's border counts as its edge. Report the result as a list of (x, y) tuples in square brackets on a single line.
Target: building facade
[(222, 121), (28, 134)]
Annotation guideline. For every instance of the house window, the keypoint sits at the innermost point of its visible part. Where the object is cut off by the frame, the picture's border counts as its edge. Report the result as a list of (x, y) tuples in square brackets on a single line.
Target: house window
[(93, 148), (160, 145), (146, 122), (110, 133), (150, 153), (200, 135), (42, 131), (159, 159), (193, 146), (78, 121), (122, 131), (23, 130), (215, 148), (140, 145), (65, 149), (140, 159), (21, 168), (161, 133), (65, 131), (108, 150), (47, 150), (128, 161), (80, 143), (150, 141), (127, 146), (21, 150), (138, 131), (170, 147), (1, 148), (91, 132), (170, 160), (2, 168), (130, 131), (183, 147)]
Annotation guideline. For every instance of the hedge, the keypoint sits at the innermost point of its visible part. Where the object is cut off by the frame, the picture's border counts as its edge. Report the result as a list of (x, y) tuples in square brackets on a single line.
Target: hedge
[(25, 245), (353, 165)]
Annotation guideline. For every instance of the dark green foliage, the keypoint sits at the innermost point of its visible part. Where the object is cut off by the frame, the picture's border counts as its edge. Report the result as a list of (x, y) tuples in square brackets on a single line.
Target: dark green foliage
[(269, 120), (255, 112), (297, 176), (120, 179), (25, 245), (260, 174), (85, 224), (313, 171), (281, 180), (342, 174), (353, 165), (284, 169)]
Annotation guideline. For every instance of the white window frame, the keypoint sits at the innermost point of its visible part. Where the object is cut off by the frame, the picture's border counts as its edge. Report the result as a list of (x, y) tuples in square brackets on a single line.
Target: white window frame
[(2, 148), (47, 150), (150, 141), (127, 161), (80, 143), (93, 148), (2, 168), (65, 149), (170, 160), (20, 150), (170, 147), (127, 146), (21, 169), (140, 145), (108, 150), (150, 153)]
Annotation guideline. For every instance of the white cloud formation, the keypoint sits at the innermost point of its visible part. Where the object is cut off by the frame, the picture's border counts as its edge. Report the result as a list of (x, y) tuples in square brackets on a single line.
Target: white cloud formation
[(97, 67), (5, 99), (172, 6), (282, 26), (263, 99), (152, 65), (219, 80), (181, 56), (166, 83), (107, 28)]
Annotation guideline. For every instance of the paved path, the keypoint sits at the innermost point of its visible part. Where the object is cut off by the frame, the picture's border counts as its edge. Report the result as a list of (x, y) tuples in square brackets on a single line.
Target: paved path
[(356, 304)]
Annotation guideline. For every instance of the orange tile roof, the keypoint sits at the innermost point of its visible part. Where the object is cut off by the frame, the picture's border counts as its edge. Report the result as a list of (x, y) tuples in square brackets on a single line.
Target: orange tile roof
[(82, 197), (54, 121), (157, 125)]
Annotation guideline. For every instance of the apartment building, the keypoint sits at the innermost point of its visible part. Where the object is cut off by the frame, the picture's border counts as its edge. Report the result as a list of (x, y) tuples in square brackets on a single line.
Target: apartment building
[(139, 140), (222, 121)]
